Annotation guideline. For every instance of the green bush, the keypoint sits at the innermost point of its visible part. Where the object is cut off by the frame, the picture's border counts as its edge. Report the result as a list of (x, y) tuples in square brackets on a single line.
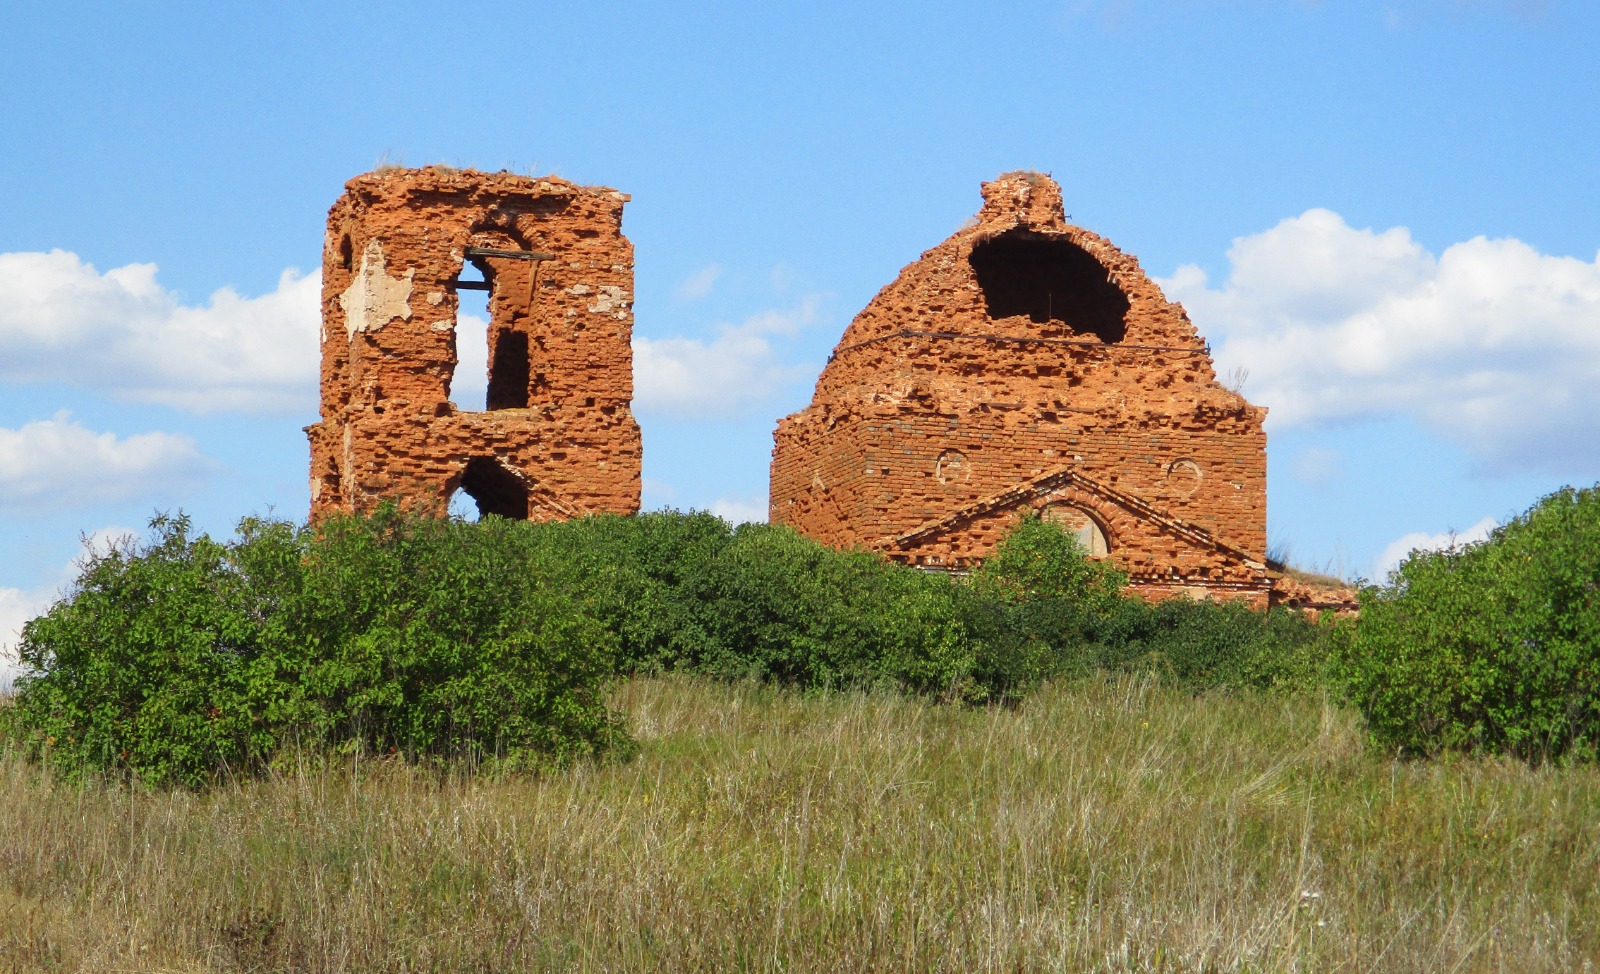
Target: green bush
[(183, 658), (688, 592), (636, 575), (1210, 645), (780, 606), (491, 642), (1490, 647), (1053, 595), (1050, 587)]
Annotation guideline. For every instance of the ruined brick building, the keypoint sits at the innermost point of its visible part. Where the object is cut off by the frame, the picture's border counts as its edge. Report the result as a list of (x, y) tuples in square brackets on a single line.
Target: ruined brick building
[(1026, 364), (556, 436)]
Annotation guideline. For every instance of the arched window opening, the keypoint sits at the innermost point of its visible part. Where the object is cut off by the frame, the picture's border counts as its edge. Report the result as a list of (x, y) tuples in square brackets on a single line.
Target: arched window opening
[(1080, 524), (1049, 278), (492, 348), (493, 488)]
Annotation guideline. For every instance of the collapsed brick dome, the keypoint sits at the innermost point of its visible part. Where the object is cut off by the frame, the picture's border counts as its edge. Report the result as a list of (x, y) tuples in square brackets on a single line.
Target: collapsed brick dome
[(1026, 364)]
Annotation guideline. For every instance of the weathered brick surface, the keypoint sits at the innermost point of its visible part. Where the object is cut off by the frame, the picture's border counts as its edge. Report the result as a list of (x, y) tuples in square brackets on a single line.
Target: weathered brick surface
[(560, 439), (1028, 364)]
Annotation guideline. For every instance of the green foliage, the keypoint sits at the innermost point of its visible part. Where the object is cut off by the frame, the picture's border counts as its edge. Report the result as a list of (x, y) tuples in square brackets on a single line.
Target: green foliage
[(184, 658), (688, 592), (1052, 590), (1491, 647), (1211, 645), (1053, 594), (638, 575), (491, 642), (780, 606)]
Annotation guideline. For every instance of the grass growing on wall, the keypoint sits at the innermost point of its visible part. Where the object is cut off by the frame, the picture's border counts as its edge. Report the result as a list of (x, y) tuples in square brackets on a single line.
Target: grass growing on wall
[(1101, 824)]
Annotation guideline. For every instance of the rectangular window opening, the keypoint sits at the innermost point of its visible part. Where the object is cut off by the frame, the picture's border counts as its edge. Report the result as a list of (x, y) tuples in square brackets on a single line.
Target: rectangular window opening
[(508, 376), (470, 381)]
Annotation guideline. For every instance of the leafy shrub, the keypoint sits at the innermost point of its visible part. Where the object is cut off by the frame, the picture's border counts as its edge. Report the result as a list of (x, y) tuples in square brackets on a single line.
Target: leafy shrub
[(687, 591), (639, 576), (1054, 590), (1053, 594), (183, 657), (435, 637), (1210, 645), (491, 641), (780, 606), (1491, 647)]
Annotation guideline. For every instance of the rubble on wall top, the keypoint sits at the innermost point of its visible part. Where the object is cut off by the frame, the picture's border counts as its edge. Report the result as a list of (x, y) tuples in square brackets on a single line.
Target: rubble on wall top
[(1023, 197), (393, 179)]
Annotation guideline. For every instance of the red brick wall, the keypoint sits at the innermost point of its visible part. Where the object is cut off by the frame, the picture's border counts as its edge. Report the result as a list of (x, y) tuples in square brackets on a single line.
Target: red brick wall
[(396, 244), (925, 370)]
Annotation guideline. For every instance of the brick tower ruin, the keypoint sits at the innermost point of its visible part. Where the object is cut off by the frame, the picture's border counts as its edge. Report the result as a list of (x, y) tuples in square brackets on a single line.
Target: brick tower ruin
[(1026, 364), (556, 437)]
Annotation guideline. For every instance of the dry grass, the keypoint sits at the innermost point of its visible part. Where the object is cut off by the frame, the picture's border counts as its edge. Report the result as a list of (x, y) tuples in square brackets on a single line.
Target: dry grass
[(1103, 827)]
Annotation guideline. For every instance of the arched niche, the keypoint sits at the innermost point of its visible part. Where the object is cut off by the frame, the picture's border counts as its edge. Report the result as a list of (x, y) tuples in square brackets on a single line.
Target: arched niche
[(1080, 524), (952, 467), (493, 488)]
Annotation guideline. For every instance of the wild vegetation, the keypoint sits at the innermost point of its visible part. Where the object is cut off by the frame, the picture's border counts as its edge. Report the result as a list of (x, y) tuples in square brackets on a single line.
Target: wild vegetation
[(182, 658), (665, 743), (1105, 824), (1491, 647)]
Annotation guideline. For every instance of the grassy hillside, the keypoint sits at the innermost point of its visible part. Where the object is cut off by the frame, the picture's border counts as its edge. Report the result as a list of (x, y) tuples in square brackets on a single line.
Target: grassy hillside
[(1110, 826)]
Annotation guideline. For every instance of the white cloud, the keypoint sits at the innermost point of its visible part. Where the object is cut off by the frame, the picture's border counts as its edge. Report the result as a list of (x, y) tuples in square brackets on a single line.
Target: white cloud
[(699, 284), (1491, 343), (58, 463), (122, 332), (739, 511), (17, 606), (1399, 549), (692, 378)]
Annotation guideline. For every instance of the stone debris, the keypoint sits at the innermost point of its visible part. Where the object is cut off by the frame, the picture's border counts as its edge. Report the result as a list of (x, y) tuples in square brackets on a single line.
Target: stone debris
[(1026, 364), (556, 436)]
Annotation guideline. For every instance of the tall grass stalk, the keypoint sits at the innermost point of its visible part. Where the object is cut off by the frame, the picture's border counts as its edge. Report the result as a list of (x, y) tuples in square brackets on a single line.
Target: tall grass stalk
[(1100, 825)]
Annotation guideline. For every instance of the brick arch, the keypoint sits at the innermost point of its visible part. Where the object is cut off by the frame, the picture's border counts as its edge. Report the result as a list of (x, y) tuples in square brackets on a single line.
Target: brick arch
[(494, 486), (1082, 522)]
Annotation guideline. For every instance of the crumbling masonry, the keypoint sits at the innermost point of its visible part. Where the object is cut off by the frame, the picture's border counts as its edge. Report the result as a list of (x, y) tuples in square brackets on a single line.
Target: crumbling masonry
[(1026, 364), (556, 437)]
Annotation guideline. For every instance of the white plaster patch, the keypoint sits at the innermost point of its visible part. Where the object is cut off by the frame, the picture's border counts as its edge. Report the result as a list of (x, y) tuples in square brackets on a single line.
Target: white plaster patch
[(578, 289), (610, 298), (374, 298), (435, 298)]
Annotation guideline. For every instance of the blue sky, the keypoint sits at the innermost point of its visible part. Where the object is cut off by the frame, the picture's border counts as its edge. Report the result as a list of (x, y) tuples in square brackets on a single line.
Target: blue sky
[(1385, 211)]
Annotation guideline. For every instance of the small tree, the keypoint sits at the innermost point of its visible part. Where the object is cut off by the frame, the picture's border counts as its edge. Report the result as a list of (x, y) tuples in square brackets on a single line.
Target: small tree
[(1491, 647), (1041, 567)]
